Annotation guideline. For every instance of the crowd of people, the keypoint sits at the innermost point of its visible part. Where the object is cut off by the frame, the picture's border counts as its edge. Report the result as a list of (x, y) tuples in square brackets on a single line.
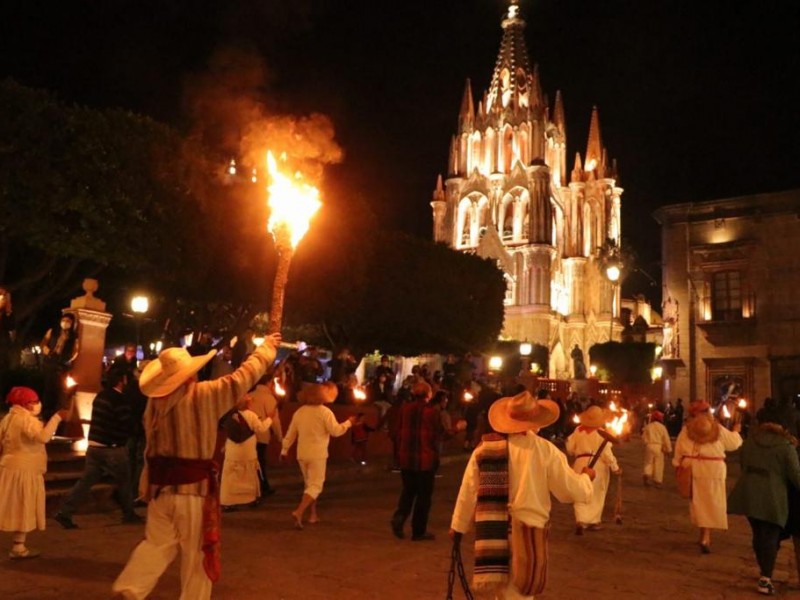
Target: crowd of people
[(197, 424)]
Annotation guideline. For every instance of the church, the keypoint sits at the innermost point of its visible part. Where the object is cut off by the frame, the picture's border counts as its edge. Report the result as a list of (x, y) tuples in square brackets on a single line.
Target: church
[(510, 196)]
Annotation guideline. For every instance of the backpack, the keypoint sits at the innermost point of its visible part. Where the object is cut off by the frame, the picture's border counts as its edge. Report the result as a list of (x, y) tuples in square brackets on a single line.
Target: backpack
[(235, 426)]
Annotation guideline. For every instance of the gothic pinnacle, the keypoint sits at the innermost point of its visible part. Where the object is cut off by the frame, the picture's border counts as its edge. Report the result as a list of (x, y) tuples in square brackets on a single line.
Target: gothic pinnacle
[(466, 117), (594, 152)]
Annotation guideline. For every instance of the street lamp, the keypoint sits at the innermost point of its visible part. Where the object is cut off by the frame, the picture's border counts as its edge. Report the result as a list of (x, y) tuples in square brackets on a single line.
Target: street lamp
[(495, 363), (612, 262), (139, 306), (593, 370), (525, 349)]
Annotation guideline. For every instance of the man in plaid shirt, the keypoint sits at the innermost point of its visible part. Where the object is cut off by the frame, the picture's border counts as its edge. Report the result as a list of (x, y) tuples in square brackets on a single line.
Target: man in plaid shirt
[(418, 433)]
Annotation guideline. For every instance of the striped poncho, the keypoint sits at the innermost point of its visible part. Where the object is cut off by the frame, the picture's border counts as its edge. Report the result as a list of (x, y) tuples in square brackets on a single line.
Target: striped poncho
[(491, 514)]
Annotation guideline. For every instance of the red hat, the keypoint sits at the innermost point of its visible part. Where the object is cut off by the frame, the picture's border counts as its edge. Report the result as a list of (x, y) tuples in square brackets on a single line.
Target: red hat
[(657, 415), (22, 396)]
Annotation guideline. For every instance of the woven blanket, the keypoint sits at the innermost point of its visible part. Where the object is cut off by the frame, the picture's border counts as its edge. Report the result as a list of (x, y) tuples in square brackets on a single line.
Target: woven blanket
[(491, 514)]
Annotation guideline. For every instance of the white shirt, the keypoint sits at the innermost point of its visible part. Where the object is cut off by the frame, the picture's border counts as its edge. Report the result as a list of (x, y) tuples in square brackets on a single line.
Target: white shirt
[(655, 433), (313, 424), (536, 469), (246, 450)]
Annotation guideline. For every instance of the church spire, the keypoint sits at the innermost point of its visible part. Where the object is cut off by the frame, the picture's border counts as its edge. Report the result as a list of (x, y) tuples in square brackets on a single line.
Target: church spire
[(466, 118), (513, 79), (594, 147), (558, 114)]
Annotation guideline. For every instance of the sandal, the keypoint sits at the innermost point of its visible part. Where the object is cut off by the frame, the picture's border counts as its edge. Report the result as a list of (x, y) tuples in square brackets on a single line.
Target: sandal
[(22, 554)]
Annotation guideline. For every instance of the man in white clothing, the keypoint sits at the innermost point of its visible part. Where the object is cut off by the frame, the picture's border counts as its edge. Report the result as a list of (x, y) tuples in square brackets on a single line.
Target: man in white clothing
[(517, 475), (180, 478), (312, 426), (656, 445)]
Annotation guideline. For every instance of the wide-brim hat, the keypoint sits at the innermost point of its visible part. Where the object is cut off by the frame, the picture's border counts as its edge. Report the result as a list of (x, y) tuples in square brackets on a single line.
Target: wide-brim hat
[(702, 429), (515, 414), (173, 367), (318, 393), (594, 416)]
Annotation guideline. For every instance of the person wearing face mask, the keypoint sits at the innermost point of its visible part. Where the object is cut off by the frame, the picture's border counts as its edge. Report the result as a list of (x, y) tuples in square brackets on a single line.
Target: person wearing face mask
[(60, 349), (23, 463)]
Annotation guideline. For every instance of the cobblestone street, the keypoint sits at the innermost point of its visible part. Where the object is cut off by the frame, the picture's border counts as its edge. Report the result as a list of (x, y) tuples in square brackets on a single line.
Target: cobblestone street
[(352, 553)]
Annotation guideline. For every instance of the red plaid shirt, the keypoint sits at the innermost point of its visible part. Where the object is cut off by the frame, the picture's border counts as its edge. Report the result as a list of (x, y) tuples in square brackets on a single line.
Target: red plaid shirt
[(418, 434)]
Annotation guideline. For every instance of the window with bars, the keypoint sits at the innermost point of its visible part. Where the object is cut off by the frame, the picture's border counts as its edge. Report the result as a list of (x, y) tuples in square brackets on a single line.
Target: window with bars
[(726, 296)]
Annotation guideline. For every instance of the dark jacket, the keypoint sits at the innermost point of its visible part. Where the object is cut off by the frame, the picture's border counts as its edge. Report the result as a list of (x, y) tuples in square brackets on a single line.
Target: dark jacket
[(769, 465), (111, 418)]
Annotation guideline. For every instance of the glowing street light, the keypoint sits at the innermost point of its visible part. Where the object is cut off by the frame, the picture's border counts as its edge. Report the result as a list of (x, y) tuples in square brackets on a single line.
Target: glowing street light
[(139, 305), (593, 370), (495, 363)]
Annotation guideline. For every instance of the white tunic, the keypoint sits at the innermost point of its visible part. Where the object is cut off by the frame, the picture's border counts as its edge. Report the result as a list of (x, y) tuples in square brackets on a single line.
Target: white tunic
[(240, 484), (264, 404), (23, 463), (583, 444), (536, 468), (314, 425), (709, 504)]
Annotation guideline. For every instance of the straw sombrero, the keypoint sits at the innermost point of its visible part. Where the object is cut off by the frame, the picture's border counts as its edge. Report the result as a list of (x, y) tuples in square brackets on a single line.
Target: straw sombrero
[(515, 414), (594, 416), (173, 367), (317, 393), (702, 429)]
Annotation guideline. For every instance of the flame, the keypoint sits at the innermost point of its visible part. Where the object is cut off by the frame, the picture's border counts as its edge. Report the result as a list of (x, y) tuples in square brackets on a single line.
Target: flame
[(359, 394), (70, 382), (292, 204), (725, 412), (576, 420), (617, 425), (612, 407), (742, 404), (279, 391), (468, 397)]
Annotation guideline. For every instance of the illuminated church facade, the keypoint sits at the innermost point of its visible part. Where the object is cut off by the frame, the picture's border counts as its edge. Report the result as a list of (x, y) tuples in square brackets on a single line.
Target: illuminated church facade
[(510, 196)]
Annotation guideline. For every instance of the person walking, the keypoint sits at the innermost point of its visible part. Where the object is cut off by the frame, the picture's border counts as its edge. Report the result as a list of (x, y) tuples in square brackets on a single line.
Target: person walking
[(702, 444), (23, 463), (265, 403), (656, 445), (583, 443), (418, 432), (312, 427), (769, 467), (509, 479), (240, 481), (181, 469), (107, 453)]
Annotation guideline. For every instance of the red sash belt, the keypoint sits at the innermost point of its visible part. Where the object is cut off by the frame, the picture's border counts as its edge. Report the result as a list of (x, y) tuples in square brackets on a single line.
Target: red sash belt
[(169, 470)]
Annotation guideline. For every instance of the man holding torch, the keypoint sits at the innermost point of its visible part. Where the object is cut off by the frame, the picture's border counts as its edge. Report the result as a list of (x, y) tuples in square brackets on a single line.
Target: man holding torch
[(180, 478)]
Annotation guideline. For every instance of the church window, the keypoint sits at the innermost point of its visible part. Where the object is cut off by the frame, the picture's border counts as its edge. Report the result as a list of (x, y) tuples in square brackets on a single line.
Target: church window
[(464, 224), (508, 149), (510, 291), (726, 296), (507, 220), (505, 82)]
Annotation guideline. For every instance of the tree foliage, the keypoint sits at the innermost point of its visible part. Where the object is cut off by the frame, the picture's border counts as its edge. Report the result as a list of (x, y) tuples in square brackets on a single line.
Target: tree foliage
[(624, 363)]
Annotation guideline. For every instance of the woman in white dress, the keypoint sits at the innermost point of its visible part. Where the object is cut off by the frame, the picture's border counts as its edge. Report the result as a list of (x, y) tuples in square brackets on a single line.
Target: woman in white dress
[(702, 444), (240, 481), (23, 463), (583, 444)]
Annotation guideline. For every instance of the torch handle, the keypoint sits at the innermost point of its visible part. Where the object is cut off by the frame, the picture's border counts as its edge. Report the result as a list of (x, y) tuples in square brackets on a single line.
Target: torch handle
[(597, 454), (279, 288)]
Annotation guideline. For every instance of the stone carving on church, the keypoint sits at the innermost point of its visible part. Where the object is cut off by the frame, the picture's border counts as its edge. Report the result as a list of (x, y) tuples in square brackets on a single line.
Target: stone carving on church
[(669, 310)]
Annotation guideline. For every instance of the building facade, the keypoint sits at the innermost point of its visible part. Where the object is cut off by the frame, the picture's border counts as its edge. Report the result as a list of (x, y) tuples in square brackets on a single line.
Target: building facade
[(510, 196), (731, 309)]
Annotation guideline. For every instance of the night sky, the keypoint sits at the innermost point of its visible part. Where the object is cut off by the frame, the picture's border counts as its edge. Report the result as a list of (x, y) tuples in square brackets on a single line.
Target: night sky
[(697, 99)]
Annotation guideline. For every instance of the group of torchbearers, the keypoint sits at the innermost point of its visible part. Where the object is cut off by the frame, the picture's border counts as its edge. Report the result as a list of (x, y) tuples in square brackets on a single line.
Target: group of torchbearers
[(510, 476)]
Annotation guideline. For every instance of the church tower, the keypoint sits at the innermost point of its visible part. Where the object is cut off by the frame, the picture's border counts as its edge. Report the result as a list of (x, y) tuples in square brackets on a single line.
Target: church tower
[(508, 196)]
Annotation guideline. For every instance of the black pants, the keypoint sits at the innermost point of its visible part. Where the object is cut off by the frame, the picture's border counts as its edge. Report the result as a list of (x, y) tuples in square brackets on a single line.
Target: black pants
[(100, 462), (261, 452), (766, 543), (416, 494)]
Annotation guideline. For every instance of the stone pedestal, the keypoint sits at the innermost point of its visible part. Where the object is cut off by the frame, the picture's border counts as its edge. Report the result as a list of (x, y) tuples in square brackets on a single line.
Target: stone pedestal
[(87, 370)]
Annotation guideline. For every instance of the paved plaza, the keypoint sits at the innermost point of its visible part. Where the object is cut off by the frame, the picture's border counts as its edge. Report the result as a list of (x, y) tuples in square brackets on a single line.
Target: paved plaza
[(352, 554)]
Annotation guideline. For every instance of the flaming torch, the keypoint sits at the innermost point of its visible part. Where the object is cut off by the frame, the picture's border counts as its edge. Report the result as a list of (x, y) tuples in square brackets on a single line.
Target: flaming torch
[(359, 394), (292, 205), (279, 391)]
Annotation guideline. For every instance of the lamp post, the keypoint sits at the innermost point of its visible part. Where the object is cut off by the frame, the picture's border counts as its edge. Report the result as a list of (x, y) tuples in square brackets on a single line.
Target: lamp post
[(613, 264), (139, 305), (525, 350), (292, 204)]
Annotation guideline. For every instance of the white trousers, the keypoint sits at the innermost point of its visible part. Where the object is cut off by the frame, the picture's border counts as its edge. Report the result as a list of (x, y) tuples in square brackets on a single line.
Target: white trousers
[(654, 462), (174, 521), (313, 475)]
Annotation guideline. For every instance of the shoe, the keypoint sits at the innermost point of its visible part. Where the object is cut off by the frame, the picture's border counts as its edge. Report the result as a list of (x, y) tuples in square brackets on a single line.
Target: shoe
[(705, 548), (397, 529), (423, 537), (765, 587), (65, 521), (26, 553), (579, 529), (133, 519), (646, 480)]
